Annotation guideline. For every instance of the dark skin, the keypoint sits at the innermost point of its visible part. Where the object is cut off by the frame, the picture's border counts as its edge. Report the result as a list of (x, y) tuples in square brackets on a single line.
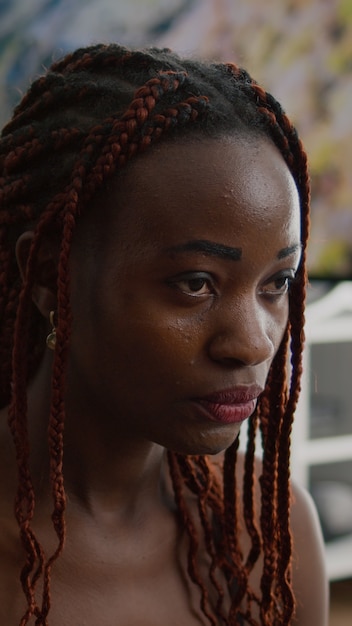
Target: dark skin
[(157, 323)]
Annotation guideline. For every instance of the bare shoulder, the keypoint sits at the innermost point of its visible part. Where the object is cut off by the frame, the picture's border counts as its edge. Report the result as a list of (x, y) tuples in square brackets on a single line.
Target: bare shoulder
[(309, 573)]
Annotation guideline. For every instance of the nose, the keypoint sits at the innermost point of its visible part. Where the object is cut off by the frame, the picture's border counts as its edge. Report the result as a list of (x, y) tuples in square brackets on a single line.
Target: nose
[(244, 334)]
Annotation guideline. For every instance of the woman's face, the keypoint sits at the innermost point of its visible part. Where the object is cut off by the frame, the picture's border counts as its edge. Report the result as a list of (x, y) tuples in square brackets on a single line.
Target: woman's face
[(180, 305)]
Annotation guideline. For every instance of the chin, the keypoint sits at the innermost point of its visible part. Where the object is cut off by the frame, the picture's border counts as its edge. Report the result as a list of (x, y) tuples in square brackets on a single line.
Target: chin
[(206, 443)]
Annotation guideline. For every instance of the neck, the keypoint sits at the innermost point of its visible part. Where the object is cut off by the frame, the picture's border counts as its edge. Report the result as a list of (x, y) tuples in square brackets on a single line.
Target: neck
[(104, 474), (122, 480)]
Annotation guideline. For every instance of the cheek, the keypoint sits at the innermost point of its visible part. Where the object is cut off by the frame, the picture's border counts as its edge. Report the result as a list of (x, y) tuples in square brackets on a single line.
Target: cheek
[(149, 349), (271, 322), (156, 347), (279, 325), (144, 324)]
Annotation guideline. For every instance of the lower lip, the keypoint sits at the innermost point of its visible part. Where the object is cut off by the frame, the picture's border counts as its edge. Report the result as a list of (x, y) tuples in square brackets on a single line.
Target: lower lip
[(228, 413)]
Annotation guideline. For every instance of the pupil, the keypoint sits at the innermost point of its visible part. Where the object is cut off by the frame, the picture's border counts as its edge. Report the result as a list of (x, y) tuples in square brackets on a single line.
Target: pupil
[(196, 284)]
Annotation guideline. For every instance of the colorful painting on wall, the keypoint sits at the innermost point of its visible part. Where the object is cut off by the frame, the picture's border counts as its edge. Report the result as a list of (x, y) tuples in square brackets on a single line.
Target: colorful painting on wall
[(301, 50)]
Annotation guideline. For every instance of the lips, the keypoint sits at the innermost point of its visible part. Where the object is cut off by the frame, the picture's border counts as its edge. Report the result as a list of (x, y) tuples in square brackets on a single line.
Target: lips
[(230, 406)]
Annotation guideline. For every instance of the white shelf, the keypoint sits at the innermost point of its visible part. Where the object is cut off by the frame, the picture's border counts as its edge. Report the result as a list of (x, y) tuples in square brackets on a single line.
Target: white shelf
[(338, 555), (328, 321), (326, 450), (324, 333)]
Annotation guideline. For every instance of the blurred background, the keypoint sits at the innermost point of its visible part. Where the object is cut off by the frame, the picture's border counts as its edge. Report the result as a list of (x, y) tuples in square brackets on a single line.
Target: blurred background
[(301, 51)]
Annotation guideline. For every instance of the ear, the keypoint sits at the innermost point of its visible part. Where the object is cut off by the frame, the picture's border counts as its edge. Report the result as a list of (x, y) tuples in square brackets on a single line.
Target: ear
[(45, 283)]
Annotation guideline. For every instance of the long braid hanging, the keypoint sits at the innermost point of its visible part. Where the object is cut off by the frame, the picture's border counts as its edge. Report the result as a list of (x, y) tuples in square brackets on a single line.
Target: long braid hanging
[(168, 100), (285, 137), (120, 144), (25, 499)]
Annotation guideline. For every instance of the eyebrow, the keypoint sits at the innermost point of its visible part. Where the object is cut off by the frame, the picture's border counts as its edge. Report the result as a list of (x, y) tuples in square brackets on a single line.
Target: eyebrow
[(289, 250), (209, 248)]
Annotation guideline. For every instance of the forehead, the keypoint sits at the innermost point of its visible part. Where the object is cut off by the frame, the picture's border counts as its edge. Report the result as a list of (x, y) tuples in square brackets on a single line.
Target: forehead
[(234, 191), (243, 178)]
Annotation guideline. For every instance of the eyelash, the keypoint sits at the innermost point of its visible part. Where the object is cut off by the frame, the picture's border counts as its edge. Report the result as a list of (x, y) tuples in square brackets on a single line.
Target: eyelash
[(286, 278), (195, 277), (281, 281)]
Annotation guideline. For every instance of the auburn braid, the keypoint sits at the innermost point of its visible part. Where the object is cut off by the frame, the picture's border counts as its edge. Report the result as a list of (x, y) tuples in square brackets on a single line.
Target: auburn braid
[(189, 525), (94, 111)]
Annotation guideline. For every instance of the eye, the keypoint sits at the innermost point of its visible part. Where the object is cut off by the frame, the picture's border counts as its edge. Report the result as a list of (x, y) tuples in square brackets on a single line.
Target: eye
[(279, 284), (195, 284)]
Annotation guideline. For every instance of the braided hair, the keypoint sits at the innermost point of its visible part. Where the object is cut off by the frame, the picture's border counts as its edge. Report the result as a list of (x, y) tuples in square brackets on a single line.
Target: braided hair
[(80, 123)]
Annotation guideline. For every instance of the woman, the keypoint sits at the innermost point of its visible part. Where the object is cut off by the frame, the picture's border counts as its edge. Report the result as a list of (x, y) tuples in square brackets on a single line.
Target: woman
[(154, 219)]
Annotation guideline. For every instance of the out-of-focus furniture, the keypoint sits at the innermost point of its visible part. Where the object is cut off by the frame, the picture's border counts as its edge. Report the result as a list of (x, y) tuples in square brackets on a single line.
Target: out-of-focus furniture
[(322, 435)]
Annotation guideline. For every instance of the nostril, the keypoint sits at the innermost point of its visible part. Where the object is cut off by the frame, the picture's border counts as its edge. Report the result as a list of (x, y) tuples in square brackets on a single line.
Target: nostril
[(233, 350)]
